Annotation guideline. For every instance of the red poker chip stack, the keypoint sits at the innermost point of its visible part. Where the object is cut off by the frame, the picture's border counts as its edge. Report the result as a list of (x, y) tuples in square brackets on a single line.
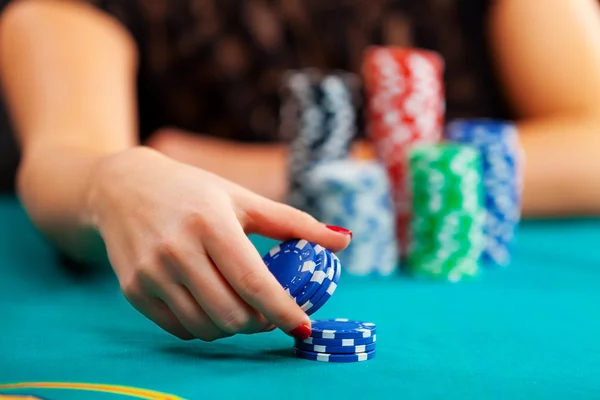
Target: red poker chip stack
[(405, 106)]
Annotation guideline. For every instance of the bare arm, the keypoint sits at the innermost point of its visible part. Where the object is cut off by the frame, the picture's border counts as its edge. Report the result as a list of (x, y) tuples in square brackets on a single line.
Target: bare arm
[(68, 74), (176, 235), (548, 58), (261, 168)]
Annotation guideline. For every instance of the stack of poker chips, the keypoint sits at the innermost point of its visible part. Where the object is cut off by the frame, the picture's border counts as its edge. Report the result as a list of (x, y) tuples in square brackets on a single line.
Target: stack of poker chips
[(501, 154), (356, 195), (405, 105), (308, 272), (318, 117), (338, 340), (447, 236)]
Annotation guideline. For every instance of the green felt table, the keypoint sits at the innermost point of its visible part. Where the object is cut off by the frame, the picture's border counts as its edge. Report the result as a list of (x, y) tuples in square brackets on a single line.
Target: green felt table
[(528, 331)]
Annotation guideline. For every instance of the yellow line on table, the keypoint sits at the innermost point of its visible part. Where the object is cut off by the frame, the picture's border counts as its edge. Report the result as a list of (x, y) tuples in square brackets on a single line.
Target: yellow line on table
[(93, 387)]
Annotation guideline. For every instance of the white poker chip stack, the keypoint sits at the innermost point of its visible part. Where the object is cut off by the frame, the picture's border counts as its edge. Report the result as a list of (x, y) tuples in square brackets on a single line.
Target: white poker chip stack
[(356, 195)]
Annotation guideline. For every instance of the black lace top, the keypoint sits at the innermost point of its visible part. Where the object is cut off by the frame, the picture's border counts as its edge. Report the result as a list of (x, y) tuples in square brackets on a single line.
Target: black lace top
[(214, 66)]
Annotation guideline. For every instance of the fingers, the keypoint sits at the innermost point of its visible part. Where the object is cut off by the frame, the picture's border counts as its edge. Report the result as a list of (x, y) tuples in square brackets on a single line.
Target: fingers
[(191, 316), (280, 221), (240, 263), (212, 292), (159, 313)]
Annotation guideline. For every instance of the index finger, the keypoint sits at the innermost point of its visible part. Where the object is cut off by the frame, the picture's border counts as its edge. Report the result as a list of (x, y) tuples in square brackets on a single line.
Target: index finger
[(243, 267)]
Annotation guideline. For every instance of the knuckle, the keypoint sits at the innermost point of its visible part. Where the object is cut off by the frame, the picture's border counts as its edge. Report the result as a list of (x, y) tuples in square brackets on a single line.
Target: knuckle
[(165, 248), (145, 269), (131, 288), (251, 284), (235, 321), (195, 221)]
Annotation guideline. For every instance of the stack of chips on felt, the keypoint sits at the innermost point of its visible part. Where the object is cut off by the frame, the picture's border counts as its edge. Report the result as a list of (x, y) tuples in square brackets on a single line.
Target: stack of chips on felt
[(310, 274), (404, 107), (447, 225), (338, 340), (319, 112), (498, 144)]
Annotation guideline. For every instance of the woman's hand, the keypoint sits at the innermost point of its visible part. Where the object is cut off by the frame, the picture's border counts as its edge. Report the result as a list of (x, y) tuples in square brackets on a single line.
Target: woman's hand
[(176, 237)]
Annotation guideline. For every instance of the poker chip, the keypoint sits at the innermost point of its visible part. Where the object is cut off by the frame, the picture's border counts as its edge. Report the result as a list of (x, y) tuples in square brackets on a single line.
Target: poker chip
[(308, 272), (302, 126), (337, 358), (317, 348), (329, 268), (341, 328), (318, 277), (318, 116), (340, 342), (293, 264), (339, 118), (405, 106), (329, 286), (356, 194), (498, 144), (447, 237)]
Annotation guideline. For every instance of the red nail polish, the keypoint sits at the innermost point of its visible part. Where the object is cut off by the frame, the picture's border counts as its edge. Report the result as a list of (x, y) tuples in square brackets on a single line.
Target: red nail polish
[(302, 332), (339, 229)]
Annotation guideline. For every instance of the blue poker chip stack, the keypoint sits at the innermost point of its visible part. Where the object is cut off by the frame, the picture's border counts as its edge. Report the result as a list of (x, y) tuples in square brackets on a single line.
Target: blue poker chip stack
[(356, 194), (338, 340), (501, 155), (318, 118), (308, 272)]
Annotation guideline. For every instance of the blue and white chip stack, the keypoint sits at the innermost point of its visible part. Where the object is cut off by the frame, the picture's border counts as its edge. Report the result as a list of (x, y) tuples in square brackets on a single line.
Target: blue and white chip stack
[(308, 272), (318, 117), (502, 159), (356, 194), (338, 340)]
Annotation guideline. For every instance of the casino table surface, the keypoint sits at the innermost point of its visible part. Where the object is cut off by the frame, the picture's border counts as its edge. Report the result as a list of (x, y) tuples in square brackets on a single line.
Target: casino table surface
[(529, 331)]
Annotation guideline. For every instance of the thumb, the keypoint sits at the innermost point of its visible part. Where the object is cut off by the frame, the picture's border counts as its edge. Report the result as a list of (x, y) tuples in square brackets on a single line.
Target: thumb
[(282, 222)]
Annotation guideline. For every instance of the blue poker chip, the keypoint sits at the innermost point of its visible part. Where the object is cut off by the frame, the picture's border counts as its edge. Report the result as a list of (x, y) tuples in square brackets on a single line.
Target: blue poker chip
[(319, 348), (341, 328), (329, 275), (499, 146), (338, 342), (337, 358), (318, 277), (292, 263), (330, 288)]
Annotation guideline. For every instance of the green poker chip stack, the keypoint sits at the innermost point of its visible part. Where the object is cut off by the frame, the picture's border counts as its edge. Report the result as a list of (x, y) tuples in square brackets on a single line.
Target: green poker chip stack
[(447, 237)]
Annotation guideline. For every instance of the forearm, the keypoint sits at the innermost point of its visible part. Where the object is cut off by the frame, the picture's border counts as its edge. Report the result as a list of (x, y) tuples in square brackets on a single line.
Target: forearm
[(53, 185), (261, 168), (562, 165), (67, 74)]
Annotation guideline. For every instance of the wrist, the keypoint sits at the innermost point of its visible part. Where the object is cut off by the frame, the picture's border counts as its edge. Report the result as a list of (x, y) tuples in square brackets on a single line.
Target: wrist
[(104, 178)]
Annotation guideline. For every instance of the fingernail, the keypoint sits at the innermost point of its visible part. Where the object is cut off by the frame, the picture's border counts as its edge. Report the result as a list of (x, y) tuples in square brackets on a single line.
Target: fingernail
[(339, 229), (302, 332)]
